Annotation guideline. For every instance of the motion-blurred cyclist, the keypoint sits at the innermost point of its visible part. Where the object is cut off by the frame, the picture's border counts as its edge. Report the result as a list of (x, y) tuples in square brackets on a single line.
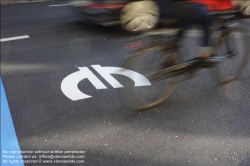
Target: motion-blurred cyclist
[(189, 12)]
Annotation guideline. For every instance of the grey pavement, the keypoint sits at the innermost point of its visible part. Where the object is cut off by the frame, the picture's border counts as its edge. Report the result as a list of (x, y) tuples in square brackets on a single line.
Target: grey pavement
[(201, 124)]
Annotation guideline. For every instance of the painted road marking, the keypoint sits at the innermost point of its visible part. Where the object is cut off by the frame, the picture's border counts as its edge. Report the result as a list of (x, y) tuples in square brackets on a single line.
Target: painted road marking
[(14, 38), (106, 72), (8, 135), (59, 5), (69, 85), (74, 3)]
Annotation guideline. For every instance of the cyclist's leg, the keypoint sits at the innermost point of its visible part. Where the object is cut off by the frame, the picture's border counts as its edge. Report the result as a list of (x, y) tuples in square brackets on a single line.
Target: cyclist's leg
[(193, 13), (205, 20)]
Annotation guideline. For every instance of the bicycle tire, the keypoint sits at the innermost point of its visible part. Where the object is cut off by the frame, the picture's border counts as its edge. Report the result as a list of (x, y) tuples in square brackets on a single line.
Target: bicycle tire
[(226, 44), (133, 96)]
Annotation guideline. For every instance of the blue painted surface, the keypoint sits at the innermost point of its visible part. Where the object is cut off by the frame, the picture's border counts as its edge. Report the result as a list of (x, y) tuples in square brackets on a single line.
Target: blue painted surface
[(9, 141)]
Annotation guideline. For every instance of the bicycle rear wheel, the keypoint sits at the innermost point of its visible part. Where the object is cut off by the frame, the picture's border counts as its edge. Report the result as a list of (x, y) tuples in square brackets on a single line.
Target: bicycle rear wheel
[(233, 46), (147, 61)]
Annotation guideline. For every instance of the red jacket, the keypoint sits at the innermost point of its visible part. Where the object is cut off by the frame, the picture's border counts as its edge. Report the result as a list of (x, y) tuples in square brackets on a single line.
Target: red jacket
[(216, 5)]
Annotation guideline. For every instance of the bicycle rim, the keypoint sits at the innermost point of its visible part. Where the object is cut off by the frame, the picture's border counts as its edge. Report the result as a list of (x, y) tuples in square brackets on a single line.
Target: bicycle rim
[(233, 45), (147, 61)]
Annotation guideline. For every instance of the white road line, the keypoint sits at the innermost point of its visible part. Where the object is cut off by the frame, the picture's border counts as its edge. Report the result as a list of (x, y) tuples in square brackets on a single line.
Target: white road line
[(15, 38), (59, 5)]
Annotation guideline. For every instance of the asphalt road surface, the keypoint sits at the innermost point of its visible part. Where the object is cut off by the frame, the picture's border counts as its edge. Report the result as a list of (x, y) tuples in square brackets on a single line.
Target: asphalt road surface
[(199, 125)]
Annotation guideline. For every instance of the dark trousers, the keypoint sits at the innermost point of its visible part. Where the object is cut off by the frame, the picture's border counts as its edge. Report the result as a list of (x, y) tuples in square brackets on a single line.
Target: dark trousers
[(188, 13)]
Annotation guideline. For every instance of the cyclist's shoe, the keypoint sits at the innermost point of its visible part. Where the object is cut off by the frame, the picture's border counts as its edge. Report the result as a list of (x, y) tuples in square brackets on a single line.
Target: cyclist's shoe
[(204, 56), (206, 52)]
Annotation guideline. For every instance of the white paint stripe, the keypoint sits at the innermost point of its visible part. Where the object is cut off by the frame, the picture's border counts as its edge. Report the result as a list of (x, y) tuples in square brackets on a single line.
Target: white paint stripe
[(106, 72), (106, 75), (59, 5), (15, 38)]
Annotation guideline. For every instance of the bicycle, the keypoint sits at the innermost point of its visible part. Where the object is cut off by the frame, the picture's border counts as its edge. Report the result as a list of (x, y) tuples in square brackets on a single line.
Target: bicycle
[(165, 78)]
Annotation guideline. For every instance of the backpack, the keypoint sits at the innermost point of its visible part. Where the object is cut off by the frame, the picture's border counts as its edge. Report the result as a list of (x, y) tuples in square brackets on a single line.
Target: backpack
[(245, 7)]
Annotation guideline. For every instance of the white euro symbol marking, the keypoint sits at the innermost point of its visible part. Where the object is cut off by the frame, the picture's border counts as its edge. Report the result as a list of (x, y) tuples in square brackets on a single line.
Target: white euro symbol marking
[(69, 85), (106, 72)]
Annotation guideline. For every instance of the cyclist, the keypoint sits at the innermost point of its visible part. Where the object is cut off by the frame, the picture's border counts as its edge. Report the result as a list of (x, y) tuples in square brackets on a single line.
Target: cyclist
[(189, 12)]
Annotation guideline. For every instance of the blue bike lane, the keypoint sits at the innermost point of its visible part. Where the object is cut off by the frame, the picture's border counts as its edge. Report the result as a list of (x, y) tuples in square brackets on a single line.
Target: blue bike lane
[(9, 142)]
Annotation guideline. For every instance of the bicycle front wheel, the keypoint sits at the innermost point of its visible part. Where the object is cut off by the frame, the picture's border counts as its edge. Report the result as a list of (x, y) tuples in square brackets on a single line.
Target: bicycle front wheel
[(146, 61), (233, 46)]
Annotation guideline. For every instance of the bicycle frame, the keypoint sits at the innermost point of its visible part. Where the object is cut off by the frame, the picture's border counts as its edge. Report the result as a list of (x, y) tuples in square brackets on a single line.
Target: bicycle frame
[(194, 64)]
